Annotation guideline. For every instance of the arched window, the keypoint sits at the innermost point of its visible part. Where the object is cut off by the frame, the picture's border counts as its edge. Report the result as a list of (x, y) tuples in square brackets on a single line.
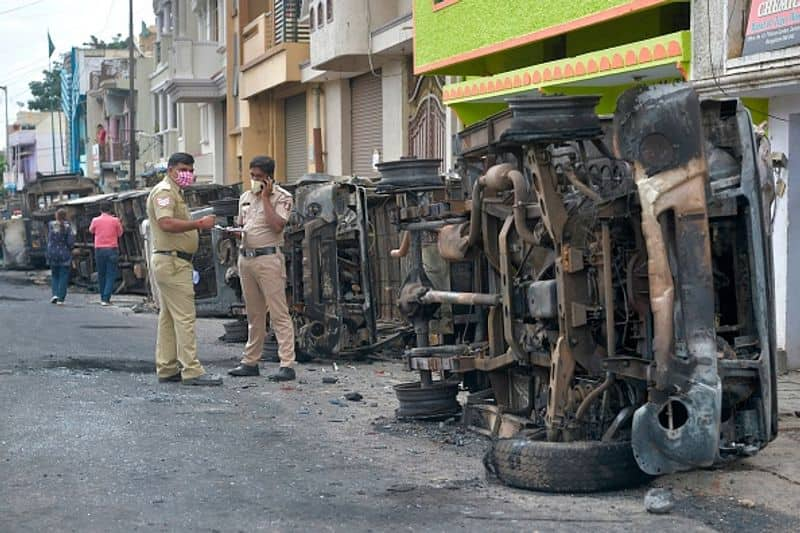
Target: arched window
[(320, 15), (311, 19), (330, 10)]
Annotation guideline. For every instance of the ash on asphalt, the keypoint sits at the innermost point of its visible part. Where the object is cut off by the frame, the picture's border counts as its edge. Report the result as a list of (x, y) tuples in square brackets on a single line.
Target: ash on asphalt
[(726, 514), (450, 432), (132, 366)]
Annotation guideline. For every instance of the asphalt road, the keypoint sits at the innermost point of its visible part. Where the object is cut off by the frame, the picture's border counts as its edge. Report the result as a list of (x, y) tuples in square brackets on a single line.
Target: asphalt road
[(89, 441)]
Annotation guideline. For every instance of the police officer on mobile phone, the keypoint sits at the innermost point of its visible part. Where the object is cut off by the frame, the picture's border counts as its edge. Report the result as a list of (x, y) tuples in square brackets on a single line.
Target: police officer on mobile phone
[(263, 213)]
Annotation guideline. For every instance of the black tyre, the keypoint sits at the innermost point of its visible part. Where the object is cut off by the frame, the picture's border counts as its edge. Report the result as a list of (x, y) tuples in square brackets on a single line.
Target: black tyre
[(583, 466)]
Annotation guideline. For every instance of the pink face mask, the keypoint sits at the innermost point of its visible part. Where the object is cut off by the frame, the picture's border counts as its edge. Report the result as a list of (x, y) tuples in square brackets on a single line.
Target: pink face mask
[(184, 178)]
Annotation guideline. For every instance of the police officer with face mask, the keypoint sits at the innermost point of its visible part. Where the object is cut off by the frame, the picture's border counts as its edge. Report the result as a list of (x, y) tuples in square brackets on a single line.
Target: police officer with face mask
[(175, 239), (263, 212)]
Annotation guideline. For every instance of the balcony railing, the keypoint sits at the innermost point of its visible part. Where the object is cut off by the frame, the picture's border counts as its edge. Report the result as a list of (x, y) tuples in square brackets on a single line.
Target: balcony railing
[(272, 28), (114, 151), (257, 37)]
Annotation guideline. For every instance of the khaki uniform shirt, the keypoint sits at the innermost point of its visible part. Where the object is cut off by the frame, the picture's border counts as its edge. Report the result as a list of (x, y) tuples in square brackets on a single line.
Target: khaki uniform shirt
[(166, 200), (257, 233)]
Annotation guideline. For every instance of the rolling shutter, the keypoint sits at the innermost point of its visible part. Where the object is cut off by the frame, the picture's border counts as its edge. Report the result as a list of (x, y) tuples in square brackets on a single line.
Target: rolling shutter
[(366, 108), (296, 137)]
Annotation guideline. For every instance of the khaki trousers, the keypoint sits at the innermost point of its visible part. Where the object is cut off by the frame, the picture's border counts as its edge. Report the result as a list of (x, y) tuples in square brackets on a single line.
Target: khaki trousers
[(264, 288), (176, 336)]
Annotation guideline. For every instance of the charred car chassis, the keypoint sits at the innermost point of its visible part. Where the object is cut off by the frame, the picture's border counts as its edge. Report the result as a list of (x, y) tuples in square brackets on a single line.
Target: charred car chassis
[(339, 271), (615, 315)]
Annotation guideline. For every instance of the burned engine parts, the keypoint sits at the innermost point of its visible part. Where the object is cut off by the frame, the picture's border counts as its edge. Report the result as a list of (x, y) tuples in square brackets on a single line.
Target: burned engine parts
[(609, 304)]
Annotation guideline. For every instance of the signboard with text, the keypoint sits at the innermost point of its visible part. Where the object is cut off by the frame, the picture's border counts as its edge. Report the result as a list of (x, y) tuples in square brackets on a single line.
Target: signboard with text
[(772, 25)]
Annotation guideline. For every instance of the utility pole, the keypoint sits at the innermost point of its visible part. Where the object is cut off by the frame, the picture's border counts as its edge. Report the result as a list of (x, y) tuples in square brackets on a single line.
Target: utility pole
[(5, 92), (132, 100), (52, 127)]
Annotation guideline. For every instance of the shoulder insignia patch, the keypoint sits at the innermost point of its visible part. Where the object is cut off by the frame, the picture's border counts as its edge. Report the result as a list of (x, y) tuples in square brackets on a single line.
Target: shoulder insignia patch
[(163, 202)]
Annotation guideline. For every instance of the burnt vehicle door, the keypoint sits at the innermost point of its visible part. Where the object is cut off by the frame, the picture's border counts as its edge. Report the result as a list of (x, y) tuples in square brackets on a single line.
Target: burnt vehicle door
[(713, 392)]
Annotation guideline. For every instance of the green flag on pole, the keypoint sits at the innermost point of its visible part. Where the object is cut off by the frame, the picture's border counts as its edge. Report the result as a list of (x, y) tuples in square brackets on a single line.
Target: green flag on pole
[(50, 46)]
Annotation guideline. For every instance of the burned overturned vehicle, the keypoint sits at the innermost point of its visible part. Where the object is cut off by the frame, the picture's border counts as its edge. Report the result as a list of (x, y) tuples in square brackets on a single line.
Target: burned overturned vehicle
[(608, 288), (340, 275)]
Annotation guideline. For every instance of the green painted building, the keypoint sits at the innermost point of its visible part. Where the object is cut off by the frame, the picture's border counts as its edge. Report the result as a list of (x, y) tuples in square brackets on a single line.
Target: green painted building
[(502, 48)]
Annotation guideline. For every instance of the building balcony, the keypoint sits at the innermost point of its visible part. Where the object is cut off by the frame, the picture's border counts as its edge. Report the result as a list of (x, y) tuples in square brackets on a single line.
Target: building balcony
[(114, 74), (114, 152), (190, 71), (22, 138), (272, 50), (336, 47)]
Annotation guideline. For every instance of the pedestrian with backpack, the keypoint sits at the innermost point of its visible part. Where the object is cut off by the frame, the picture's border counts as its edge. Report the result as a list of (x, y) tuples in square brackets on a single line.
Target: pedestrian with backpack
[(60, 240)]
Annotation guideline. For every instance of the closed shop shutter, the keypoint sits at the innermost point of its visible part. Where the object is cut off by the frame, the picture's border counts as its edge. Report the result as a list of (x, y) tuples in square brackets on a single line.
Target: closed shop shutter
[(296, 137), (366, 108)]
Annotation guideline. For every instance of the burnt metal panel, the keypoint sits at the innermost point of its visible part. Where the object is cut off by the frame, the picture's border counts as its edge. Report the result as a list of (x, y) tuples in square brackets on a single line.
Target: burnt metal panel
[(659, 130)]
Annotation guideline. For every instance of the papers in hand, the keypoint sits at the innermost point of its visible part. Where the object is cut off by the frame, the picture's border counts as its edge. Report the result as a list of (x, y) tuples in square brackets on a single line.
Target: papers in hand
[(228, 229)]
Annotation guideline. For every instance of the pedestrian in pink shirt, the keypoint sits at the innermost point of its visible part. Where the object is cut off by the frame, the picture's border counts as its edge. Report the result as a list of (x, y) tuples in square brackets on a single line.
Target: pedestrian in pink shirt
[(107, 230)]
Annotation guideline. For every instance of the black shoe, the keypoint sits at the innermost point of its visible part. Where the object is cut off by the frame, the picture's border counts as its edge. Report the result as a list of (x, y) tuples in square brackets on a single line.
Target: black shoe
[(244, 370), (174, 378), (205, 380), (285, 373)]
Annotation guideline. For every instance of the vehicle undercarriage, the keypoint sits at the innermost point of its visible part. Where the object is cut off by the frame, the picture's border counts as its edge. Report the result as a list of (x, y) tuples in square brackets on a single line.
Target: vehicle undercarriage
[(607, 292)]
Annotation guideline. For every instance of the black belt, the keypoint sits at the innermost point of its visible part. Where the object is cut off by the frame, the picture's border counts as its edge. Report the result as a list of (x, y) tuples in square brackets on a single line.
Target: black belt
[(255, 252), (182, 255)]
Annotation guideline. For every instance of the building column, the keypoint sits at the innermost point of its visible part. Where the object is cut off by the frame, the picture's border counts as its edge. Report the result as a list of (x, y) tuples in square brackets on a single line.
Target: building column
[(792, 246), (394, 84), (336, 132), (785, 138), (452, 127), (217, 121)]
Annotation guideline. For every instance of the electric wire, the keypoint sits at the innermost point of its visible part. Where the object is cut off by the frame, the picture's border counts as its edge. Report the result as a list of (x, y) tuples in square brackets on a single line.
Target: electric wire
[(23, 6)]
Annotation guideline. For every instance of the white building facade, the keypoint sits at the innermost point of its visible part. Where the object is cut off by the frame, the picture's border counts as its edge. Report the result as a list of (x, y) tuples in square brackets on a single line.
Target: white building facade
[(188, 83), (732, 57)]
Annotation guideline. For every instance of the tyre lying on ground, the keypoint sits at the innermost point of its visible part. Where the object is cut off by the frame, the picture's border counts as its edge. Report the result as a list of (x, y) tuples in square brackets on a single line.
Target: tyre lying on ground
[(580, 466)]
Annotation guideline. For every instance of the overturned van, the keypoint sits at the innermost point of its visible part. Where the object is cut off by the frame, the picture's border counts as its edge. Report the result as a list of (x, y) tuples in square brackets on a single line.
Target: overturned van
[(609, 289)]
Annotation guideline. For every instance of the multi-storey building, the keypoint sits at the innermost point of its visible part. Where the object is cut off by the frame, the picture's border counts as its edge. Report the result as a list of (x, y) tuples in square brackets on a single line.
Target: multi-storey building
[(327, 86), (79, 63), (514, 48), (267, 104), (188, 84), (35, 146), (108, 112)]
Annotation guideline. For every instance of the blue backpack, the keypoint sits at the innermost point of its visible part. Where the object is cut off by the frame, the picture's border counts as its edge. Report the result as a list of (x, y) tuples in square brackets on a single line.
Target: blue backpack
[(59, 243)]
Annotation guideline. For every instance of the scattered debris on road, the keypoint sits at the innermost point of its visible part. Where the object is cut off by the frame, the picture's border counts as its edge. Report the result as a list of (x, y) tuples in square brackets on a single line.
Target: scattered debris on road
[(659, 501)]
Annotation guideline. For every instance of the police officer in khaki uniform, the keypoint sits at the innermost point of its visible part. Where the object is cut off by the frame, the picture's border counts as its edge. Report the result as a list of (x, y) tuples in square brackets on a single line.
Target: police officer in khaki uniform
[(263, 212), (175, 239)]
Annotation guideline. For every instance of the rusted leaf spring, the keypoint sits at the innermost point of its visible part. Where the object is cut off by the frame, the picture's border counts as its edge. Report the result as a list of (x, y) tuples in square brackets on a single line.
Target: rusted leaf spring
[(430, 402)]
